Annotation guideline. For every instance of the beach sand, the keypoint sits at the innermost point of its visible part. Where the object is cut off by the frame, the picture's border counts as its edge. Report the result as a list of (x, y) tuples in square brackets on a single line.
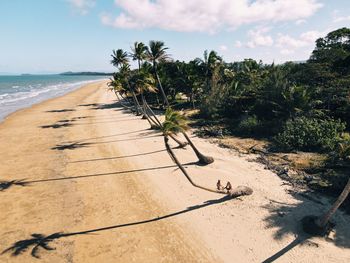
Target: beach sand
[(100, 184)]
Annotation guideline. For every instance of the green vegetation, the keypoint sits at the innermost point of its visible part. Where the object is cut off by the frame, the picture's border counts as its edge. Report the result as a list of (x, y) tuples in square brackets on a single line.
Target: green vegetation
[(293, 106), (305, 133), (141, 83)]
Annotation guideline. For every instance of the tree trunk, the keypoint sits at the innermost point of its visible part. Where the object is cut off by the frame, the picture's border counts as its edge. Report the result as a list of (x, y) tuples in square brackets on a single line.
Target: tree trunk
[(192, 100), (122, 103), (202, 158), (323, 220), (152, 123), (137, 104), (235, 192), (166, 102)]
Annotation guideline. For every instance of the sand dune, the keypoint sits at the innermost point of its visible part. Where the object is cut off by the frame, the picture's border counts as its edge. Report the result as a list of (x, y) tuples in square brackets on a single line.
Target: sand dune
[(98, 186)]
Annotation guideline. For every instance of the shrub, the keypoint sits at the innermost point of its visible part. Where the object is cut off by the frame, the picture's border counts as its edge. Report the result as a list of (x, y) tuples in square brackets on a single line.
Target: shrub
[(310, 134), (248, 125), (341, 153)]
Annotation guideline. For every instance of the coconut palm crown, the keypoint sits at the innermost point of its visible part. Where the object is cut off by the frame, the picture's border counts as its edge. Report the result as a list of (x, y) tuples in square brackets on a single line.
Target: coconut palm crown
[(119, 58), (174, 123), (138, 52)]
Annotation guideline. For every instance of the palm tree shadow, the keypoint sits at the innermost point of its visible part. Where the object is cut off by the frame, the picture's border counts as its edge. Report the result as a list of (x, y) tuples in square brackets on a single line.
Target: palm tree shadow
[(71, 146), (90, 105), (287, 218), (38, 241), (119, 157), (103, 106), (4, 185), (107, 136), (299, 240), (62, 110), (75, 145), (58, 125)]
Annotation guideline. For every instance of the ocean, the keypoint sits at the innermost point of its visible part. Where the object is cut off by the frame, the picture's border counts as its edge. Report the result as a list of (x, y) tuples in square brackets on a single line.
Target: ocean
[(17, 92)]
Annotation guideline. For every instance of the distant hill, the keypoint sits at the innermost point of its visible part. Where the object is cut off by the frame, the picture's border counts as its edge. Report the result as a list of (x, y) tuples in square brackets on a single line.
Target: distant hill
[(87, 73)]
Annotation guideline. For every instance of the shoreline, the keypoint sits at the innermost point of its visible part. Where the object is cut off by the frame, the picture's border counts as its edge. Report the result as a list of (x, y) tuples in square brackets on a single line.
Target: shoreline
[(96, 168), (2, 119)]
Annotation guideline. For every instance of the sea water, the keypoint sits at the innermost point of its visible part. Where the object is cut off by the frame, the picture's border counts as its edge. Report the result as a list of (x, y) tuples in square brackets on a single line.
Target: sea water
[(17, 92)]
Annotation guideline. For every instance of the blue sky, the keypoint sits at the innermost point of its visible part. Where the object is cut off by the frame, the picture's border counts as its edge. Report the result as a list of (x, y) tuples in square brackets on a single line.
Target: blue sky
[(41, 36)]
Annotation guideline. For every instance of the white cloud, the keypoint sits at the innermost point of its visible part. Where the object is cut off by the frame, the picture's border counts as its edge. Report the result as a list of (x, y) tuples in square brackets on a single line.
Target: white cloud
[(238, 44), (305, 39), (286, 41), (286, 51), (82, 6), (258, 38), (223, 48), (300, 22), (206, 16), (339, 19)]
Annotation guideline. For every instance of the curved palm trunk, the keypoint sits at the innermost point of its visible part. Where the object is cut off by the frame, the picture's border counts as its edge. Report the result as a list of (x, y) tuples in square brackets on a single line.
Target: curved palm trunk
[(235, 192), (126, 99), (149, 118), (160, 85), (323, 220), (136, 102), (121, 101), (202, 158), (180, 143)]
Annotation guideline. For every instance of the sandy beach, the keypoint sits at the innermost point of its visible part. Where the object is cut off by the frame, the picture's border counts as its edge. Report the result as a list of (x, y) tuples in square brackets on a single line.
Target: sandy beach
[(99, 184)]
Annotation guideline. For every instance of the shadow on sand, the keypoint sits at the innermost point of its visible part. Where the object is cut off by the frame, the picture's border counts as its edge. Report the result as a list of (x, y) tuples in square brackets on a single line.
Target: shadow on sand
[(103, 106), (62, 110), (76, 145), (4, 185), (107, 136), (38, 241), (287, 219), (71, 146), (56, 125), (118, 157), (7, 184)]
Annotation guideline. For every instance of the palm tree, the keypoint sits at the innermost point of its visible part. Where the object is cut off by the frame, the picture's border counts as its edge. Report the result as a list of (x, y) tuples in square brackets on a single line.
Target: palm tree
[(210, 64), (175, 123), (156, 52), (321, 225), (143, 81), (138, 53), (124, 70), (117, 85), (202, 159), (120, 60), (119, 57)]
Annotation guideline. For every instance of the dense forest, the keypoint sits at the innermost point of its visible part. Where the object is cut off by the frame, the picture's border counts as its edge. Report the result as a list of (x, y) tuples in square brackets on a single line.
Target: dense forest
[(294, 106)]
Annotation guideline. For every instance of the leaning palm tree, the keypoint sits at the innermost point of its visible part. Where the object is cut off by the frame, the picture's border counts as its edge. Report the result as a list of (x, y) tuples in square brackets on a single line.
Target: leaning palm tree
[(176, 123), (125, 72), (321, 225), (117, 87), (202, 159), (144, 82), (120, 60), (156, 52)]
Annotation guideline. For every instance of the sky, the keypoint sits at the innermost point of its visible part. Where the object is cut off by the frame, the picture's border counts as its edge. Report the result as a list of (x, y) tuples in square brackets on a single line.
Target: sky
[(52, 36)]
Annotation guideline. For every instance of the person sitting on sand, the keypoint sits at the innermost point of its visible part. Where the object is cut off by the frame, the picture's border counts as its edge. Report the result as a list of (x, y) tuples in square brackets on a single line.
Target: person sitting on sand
[(228, 186)]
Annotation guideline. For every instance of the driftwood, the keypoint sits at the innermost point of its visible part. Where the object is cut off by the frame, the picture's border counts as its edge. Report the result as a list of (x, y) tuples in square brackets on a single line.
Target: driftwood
[(240, 191)]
